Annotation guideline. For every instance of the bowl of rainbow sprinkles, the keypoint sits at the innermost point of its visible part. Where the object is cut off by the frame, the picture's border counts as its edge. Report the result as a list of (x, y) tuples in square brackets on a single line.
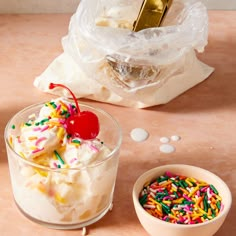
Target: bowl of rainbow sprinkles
[(63, 160), (181, 200)]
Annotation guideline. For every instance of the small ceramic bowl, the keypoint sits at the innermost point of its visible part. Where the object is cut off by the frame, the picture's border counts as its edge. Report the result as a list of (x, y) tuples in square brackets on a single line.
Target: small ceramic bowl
[(156, 227)]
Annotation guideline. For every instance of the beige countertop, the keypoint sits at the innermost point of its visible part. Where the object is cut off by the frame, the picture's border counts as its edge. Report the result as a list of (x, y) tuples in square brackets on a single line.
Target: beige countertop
[(204, 117)]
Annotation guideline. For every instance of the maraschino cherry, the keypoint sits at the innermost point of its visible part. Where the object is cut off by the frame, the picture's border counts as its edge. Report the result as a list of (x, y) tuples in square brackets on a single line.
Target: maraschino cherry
[(85, 124)]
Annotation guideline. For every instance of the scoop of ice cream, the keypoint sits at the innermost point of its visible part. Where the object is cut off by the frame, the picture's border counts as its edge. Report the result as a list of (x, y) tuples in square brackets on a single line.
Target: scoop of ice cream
[(34, 142), (44, 140)]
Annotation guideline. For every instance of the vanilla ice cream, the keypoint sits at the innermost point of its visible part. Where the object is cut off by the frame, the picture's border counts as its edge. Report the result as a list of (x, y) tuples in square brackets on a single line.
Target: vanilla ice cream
[(58, 178)]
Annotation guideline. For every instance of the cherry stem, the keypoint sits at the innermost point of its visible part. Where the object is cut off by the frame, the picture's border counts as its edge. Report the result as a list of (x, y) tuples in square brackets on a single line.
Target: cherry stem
[(52, 86)]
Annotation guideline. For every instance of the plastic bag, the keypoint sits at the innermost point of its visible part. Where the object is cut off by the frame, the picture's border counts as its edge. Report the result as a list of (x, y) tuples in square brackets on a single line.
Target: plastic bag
[(106, 61)]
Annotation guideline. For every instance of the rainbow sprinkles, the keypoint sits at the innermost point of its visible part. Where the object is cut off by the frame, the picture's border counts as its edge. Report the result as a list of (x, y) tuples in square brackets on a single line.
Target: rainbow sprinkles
[(180, 199)]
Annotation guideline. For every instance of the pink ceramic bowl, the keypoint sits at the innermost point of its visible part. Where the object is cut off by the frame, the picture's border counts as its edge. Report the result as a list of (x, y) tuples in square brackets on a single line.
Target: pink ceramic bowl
[(157, 227)]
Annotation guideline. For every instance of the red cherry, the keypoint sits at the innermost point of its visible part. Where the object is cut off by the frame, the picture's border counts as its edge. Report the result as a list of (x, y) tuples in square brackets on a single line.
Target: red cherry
[(84, 124)]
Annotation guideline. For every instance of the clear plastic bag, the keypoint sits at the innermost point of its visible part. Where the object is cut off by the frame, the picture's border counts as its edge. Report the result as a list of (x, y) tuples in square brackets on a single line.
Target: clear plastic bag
[(138, 69)]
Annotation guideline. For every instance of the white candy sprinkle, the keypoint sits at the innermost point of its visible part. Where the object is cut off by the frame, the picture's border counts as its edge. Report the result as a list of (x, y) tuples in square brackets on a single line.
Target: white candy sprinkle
[(84, 231), (139, 134), (111, 207), (164, 140), (175, 138), (167, 148)]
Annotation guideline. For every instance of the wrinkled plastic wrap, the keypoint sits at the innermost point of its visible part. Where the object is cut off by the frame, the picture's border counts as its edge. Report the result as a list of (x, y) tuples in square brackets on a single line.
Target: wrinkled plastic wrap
[(105, 60)]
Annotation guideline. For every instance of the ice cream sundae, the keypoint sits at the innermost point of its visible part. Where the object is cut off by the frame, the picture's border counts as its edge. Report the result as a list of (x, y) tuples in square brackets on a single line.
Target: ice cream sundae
[(63, 161)]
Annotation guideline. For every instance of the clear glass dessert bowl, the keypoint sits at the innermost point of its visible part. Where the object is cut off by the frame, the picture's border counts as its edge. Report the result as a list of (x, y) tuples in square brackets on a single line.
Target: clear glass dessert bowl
[(65, 196)]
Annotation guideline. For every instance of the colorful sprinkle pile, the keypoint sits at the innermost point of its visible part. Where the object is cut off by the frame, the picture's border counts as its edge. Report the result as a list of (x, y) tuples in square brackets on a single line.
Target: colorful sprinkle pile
[(181, 200)]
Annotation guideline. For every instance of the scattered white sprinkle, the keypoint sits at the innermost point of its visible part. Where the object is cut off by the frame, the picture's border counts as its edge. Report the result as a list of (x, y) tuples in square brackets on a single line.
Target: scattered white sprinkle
[(139, 134), (164, 140), (111, 207), (175, 138), (84, 231), (167, 148)]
